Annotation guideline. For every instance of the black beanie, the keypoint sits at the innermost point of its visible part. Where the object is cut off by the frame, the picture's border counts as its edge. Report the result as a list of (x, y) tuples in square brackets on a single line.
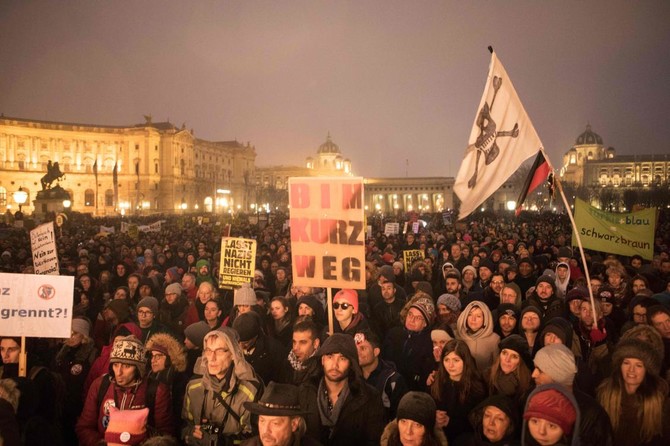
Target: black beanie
[(419, 407), (520, 345), (247, 325)]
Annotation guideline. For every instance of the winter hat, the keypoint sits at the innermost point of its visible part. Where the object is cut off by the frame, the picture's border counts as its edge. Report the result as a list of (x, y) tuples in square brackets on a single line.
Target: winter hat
[(244, 295), (519, 345), (425, 287), (534, 309), (526, 260), (507, 309), (426, 307), (560, 327), (81, 325), (149, 302), (174, 274), (399, 265), (126, 427), (564, 251), (419, 407), (145, 281), (173, 288), (129, 350), (440, 334), (196, 333), (453, 274), (450, 301), (646, 333), (605, 295), (488, 263), (578, 292), (557, 361), (553, 406), (635, 348), (386, 272), (120, 308), (343, 344), (248, 325), (548, 279), (502, 402), (127, 329), (447, 266), (416, 276), (349, 296), (469, 268)]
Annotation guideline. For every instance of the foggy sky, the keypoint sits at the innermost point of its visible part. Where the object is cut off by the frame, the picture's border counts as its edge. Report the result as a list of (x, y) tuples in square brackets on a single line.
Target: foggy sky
[(390, 80)]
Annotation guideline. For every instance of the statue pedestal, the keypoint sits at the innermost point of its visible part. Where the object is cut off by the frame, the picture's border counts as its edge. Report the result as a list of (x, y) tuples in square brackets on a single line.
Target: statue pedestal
[(50, 200)]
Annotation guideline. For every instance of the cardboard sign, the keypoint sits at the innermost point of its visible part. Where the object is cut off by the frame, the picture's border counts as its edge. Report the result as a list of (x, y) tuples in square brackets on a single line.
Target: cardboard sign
[(43, 245), (36, 305), (410, 256), (391, 228), (238, 261), (327, 232)]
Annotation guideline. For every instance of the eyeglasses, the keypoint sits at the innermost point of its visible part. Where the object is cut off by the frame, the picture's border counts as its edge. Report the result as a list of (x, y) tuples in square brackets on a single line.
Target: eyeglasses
[(157, 356), (414, 317), (144, 313), (344, 305), (218, 352)]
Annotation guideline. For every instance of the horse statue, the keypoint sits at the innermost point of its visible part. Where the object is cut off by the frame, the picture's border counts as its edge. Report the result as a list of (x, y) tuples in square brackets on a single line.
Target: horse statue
[(53, 174)]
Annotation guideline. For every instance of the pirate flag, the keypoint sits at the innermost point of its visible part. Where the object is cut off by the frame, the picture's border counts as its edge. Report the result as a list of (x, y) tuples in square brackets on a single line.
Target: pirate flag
[(502, 138)]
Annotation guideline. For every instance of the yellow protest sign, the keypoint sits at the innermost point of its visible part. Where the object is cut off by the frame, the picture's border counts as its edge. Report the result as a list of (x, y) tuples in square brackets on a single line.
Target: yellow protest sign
[(238, 261)]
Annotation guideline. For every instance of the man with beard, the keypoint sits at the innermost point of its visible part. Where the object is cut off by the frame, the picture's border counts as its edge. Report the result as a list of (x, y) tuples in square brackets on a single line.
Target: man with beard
[(544, 297), (342, 409), (299, 365), (486, 269), (491, 294), (386, 314)]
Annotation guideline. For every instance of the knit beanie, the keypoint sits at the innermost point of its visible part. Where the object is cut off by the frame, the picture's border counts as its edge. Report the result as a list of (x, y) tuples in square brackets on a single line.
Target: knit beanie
[(419, 407), (386, 272), (120, 308), (564, 251), (469, 268), (548, 279), (637, 349), (450, 301), (557, 326), (553, 406), (507, 309), (247, 325), (488, 263), (425, 287), (453, 273), (440, 334), (196, 333), (81, 325), (519, 345), (149, 302), (578, 292), (174, 288), (426, 307), (174, 274), (244, 295), (605, 295), (129, 350), (349, 296), (557, 361), (126, 427), (399, 265)]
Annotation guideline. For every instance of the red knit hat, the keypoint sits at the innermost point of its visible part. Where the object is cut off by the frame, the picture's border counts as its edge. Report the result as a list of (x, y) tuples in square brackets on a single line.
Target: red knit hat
[(349, 296), (553, 406)]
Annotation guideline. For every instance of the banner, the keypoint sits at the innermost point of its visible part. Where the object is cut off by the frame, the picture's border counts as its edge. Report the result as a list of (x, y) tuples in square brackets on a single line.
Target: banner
[(238, 261), (107, 229), (36, 305), (410, 256), (624, 234), (501, 139), (391, 228), (327, 232), (43, 246)]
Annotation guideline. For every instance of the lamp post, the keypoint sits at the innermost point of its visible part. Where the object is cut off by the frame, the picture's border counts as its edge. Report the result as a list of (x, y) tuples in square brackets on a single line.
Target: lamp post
[(20, 197)]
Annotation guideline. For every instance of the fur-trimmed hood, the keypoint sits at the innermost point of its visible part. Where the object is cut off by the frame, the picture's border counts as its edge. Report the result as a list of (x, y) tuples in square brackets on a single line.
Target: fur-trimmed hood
[(175, 350)]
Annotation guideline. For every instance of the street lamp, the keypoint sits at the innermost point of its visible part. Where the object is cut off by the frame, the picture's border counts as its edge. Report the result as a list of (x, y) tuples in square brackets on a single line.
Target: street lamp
[(67, 204), (20, 197)]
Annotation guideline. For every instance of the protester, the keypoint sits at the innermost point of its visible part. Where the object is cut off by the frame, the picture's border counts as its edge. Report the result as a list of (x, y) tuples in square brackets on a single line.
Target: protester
[(415, 423)]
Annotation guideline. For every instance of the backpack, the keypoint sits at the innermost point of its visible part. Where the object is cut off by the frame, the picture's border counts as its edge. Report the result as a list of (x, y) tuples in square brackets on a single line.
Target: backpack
[(149, 398)]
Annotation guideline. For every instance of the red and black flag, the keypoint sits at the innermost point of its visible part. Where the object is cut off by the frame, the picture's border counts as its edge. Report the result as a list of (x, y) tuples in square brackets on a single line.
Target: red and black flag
[(539, 173)]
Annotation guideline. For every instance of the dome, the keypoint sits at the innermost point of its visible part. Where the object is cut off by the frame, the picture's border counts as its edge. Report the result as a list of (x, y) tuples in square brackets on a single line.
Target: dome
[(589, 137), (328, 147)]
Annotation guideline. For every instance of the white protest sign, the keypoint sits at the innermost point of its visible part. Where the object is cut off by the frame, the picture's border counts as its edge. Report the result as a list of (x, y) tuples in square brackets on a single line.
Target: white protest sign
[(43, 245), (238, 261), (392, 228), (327, 232), (36, 305)]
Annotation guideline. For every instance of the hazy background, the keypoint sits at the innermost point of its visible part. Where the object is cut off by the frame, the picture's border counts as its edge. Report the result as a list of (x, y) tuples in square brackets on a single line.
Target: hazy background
[(390, 80)]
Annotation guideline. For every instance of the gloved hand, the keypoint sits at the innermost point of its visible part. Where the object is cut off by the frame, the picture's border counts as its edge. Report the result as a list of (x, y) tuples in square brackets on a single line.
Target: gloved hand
[(597, 335)]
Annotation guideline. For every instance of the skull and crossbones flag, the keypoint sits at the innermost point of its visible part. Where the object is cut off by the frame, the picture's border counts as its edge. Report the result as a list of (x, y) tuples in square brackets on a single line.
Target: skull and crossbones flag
[(502, 138)]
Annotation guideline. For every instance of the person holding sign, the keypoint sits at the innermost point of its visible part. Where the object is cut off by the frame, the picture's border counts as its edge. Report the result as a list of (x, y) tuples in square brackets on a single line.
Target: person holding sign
[(349, 319)]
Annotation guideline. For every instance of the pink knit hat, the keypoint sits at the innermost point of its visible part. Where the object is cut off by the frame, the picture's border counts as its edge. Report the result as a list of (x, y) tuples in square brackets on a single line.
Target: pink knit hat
[(349, 296)]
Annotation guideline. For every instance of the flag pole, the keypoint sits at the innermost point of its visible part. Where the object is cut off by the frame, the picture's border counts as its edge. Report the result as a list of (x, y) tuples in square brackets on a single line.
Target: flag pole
[(579, 240)]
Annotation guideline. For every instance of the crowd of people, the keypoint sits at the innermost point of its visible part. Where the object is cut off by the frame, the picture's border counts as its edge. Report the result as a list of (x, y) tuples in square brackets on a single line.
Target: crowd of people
[(494, 337)]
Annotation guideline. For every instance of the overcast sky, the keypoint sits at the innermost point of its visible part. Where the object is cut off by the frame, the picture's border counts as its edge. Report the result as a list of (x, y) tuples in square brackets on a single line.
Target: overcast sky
[(390, 80)]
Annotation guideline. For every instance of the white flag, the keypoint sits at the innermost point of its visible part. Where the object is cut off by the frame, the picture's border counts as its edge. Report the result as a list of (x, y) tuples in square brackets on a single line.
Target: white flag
[(502, 138)]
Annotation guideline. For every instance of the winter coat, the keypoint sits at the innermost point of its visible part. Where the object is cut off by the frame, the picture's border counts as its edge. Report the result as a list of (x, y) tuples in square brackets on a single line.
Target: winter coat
[(483, 344), (92, 423), (412, 353), (595, 428)]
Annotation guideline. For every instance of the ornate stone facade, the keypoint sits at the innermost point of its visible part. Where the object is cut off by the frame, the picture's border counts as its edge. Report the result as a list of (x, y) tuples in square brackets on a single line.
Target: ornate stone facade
[(160, 167)]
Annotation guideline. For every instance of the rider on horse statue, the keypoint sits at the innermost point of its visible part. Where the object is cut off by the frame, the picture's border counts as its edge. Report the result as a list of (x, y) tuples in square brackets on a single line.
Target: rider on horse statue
[(53, 174)]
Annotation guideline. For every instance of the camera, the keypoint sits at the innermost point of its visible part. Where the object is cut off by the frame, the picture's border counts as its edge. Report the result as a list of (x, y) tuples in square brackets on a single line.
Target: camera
[(210, 428)]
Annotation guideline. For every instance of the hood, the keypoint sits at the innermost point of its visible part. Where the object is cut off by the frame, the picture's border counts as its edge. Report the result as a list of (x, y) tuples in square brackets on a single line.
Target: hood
[(175, 350), (203, 262), (241, 368), (525, 435), (462, 319)]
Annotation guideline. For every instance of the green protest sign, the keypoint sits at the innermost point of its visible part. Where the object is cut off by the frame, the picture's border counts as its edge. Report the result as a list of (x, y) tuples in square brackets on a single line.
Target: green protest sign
[(625, 234)]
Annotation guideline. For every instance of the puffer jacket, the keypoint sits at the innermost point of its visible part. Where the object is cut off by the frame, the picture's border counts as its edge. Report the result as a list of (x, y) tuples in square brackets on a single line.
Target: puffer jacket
[(484, 343)]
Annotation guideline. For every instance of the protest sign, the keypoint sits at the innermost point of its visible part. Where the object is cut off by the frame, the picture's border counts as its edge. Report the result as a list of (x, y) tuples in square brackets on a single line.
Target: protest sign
[(625, 234), (36, 305), (43, 246), (327, 232), (238, 261), (391, 228), (410, 256)]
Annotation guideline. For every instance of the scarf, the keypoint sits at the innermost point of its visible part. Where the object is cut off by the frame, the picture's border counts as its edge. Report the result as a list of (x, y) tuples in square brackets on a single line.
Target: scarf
[(328, 414)]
